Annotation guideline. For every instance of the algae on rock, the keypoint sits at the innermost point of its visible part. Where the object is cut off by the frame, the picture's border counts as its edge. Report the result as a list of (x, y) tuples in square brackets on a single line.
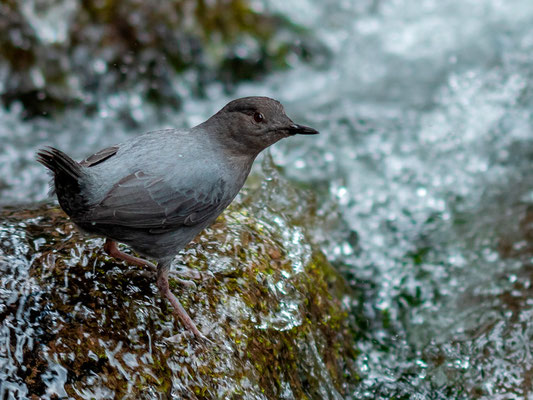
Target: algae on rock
[(75, 323)]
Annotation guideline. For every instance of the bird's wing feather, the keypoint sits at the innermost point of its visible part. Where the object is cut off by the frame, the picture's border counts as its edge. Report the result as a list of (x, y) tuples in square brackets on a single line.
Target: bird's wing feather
[(99, 157), (145, 201)]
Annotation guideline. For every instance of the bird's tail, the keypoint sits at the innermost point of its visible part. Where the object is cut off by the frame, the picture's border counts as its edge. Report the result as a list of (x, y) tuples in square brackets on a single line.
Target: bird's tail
[(67, 180), (59, 163)]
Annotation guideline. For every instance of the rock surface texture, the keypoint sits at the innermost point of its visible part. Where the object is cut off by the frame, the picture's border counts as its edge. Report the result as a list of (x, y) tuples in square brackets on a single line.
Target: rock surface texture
[(75, 323)]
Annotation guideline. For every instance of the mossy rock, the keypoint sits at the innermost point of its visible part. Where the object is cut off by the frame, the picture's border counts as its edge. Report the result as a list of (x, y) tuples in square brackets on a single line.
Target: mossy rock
[(75, 323), (60, 53)]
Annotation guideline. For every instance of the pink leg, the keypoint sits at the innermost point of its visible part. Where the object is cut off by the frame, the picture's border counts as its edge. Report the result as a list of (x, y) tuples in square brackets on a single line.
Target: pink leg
[(179, 311), (111, 248), (162, 269)]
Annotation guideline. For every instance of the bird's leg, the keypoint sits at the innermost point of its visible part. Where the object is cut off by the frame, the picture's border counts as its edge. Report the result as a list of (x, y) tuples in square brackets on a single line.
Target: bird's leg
[(111, 248), (179, 311)]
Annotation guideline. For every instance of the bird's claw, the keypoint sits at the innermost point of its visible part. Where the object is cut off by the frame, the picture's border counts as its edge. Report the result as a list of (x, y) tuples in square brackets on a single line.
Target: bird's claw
[(192, 274), (185, 282), (197, 335)]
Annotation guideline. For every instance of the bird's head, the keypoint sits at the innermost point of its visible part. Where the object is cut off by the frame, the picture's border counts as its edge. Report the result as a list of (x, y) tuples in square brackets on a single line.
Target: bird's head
[(251, 124)]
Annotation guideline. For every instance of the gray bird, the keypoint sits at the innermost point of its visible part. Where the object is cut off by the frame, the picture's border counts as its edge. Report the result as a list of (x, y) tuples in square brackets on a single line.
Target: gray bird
[(159, 190)]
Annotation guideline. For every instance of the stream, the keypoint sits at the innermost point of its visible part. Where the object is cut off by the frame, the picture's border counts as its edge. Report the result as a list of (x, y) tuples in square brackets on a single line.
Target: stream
[(422, 171)]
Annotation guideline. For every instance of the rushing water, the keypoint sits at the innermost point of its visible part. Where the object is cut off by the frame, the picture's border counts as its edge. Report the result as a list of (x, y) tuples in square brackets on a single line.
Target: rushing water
[(426, 149)]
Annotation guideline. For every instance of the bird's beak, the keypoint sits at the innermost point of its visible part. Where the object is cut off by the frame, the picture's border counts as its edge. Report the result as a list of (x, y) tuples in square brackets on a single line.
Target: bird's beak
[(295, 129)]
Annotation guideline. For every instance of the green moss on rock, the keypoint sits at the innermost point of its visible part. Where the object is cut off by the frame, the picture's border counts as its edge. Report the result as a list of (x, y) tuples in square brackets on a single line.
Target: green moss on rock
[(269, 301)]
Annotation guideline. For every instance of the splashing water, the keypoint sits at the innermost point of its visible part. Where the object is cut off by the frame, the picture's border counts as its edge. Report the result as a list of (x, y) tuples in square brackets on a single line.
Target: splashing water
[(423, 171)]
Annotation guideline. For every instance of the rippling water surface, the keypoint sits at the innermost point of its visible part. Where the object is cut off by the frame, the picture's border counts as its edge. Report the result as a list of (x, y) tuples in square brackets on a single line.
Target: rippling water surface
[(426, 150)]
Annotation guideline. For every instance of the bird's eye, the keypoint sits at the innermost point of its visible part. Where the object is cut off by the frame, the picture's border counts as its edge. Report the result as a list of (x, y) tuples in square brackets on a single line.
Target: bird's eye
[(258, 117)]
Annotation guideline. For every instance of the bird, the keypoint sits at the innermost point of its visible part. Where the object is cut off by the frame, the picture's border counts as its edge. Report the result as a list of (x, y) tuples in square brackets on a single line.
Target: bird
[(156, 192)]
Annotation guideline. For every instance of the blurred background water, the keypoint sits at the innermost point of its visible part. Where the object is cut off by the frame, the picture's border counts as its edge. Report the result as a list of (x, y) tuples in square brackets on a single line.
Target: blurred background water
[(422, 169)]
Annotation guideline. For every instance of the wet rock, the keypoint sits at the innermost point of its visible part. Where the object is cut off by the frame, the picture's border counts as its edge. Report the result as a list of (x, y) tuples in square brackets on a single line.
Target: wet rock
[(76, 323), (55, 54)]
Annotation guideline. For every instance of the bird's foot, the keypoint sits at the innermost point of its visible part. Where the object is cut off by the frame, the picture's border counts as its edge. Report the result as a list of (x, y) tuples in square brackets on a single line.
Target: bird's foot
[(185, 276), (190, 326), (178, 338), (193, 274), (179, 311), (185, 282)]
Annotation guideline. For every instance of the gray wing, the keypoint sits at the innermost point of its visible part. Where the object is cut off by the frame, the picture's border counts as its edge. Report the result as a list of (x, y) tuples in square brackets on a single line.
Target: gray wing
[(99, 157), (143, 201)]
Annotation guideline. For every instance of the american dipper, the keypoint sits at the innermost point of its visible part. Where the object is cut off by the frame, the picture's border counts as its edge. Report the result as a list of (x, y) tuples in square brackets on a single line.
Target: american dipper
[(157, 191)]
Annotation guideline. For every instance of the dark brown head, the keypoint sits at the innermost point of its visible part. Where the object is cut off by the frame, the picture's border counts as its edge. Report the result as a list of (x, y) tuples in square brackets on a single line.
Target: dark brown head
[(251, 124)]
